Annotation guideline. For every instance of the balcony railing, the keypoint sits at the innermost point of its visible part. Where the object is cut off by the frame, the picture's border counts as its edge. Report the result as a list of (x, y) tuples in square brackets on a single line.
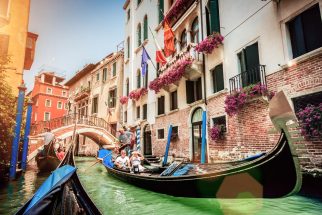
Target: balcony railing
[(254, 75), (177, 11)]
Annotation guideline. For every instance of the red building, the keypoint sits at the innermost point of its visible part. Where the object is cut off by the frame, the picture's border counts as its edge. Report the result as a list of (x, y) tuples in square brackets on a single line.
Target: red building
[(49, 97)]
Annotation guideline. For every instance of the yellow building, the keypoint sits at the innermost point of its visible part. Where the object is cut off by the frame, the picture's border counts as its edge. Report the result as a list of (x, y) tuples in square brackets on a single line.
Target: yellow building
[(15, 40)]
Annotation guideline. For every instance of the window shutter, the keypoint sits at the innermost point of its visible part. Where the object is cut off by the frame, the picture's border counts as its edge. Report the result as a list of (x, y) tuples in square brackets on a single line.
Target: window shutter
[(161, 10), (297, 37), (198, 89), (218, 78), (189, 92), (145, 28), (252, 63), (214, 16), (114, 69)]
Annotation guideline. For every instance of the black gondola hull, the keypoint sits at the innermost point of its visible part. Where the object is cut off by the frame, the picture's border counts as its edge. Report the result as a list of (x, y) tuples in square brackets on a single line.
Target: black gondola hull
[(275, 175)]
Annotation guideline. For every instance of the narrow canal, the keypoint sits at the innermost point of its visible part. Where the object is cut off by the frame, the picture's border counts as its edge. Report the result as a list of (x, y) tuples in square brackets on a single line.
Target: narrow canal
[(114, 197)]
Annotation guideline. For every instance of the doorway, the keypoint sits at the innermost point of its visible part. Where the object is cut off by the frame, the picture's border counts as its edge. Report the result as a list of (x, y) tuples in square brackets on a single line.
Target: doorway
[(147, 140), (196, 122)]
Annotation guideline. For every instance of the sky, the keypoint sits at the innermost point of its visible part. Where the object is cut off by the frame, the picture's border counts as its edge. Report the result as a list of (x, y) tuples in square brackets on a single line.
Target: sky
[(73, 33)]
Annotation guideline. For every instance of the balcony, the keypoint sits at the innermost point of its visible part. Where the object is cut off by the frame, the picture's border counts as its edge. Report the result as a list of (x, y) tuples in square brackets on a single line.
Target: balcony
[(177, 10), (30, 50), (84, 92), (254, 75)]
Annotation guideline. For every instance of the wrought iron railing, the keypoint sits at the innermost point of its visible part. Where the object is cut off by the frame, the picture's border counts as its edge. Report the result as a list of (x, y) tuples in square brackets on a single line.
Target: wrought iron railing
[(254, 75), (70, 120)]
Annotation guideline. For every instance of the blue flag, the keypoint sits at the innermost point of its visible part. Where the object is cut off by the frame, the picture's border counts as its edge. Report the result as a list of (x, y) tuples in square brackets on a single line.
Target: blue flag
[(144, 62)]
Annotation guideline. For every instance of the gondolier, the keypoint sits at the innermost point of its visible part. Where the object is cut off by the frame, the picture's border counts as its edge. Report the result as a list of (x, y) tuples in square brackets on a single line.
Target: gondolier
[(125, 138), (49, 139)]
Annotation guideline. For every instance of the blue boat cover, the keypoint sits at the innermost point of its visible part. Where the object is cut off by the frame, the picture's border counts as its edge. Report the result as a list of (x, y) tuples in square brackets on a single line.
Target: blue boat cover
[(57, 178), (107, 157), (183, 170), (253, 157)]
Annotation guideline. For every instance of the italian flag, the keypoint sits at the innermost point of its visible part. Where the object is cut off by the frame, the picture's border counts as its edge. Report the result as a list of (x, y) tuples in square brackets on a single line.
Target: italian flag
[(159, 57)]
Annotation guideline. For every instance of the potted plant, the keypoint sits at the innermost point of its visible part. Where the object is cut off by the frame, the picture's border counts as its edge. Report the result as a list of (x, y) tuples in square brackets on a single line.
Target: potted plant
[(217, 132), (310, 121)]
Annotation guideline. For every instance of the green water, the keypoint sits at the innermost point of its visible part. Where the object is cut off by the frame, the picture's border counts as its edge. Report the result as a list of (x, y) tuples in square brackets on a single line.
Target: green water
[(115, 197)]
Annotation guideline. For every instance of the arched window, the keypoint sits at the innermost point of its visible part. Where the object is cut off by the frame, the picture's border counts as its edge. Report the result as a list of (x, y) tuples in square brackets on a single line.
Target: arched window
[(128, 47), (127, 87), (145, 27), (212, 17), (183, 42), (139, 34), (195, 31), (139, 1), (197, 115), (138, 78)]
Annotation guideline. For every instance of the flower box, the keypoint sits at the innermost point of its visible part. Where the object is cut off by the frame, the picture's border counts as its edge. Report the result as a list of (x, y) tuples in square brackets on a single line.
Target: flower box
[(210, 43), (124, 100), (138, 93)]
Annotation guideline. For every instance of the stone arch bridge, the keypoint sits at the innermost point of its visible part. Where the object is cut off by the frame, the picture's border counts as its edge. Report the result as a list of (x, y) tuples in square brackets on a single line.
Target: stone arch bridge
[(94, 128)]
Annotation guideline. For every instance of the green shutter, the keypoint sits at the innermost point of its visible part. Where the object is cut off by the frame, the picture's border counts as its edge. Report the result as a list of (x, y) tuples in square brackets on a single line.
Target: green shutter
[(218, 77), (128, 47), (161, 10), (189, 92), (214, 16), (145, 28), (114, 69)]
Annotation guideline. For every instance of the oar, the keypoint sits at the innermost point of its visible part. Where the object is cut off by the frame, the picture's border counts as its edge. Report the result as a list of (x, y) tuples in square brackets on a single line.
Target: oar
[(98, 160)]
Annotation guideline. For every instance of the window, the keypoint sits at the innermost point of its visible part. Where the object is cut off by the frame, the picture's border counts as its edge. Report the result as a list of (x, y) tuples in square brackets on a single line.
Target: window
[(114, 70), (4, 44), (138, 32), (171, 3), (125, 116), (89, 84), (193, 91), (139, 1), (218, 78), (306, 31), (138, 79), (161, 105), (145, 111), (97, 76), (127, 87), (47, 116), (104, 74), (59, 105), (146, 77), (212, 17), (128, 47), (4, 8), (138, 114), (48, 103), (175, 132), (160, 134), (35, 116), (174, 100), (248, 60), (128, 14), (145, 28), (66, 106), (183, 42), (195, 31), (161, 10), (49, 90), (64, 93), (220, 121), (112, 98), (95, 105)]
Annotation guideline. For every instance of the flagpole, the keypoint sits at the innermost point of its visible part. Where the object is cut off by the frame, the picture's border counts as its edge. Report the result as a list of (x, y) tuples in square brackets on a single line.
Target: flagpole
[(150, 60)]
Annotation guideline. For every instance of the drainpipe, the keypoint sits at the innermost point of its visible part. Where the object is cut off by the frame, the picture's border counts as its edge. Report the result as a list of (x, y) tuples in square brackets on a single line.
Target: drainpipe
[(203, 56)]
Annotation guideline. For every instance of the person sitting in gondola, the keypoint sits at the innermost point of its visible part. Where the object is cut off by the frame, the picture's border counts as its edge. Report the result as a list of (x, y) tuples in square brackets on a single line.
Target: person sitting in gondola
[(60, 153), (123, 161), (136, 159)]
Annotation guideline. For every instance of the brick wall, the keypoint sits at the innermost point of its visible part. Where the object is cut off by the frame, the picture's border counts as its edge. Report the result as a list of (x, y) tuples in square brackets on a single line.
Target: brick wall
[(303, 78)]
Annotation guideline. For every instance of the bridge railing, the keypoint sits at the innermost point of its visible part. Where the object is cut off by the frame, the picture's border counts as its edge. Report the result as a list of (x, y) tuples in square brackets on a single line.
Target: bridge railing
[(70, 120)]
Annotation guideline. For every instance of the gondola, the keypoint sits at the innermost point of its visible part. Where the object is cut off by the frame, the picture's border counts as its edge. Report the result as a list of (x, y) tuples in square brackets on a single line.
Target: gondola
[(272, 175), (61, 193)]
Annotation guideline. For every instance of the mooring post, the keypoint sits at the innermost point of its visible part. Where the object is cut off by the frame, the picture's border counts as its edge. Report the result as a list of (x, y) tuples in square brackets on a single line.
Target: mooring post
[(165, 160), (26, 138), (138, 138), (203, 135), (15, 143)]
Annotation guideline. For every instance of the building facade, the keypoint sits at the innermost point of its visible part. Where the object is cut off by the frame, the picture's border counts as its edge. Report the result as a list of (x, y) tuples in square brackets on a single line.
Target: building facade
[(15, 41), (95, 90), (49, 97), (272, 44)]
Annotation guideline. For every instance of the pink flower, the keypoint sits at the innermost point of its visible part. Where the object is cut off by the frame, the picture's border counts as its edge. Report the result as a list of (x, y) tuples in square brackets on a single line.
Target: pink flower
[(138, 93), (216, 132), (210, 43), (124, 100)]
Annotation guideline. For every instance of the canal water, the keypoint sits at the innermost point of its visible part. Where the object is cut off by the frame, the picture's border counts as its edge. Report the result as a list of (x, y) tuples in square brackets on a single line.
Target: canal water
[(115, 197)]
